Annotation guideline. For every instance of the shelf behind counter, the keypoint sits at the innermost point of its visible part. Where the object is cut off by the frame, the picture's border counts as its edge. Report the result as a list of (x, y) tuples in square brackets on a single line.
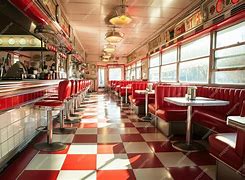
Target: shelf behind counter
[(16, 93)]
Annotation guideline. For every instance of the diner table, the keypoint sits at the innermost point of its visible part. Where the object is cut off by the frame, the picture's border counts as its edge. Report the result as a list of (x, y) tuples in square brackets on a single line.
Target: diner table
[(147, 117), (126, 92), (236, 121), (188, 145)]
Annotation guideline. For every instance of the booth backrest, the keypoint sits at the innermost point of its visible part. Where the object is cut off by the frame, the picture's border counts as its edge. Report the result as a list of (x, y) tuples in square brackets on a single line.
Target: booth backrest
[(64, 90), (234, 96), (138, 86), (162, 91), (243, 109)]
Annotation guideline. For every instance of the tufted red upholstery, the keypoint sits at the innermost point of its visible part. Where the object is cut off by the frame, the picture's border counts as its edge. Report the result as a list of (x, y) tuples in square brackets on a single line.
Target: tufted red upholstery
[(215, 117), (139, 99), (64, 90), (168, 111), (229, 148), (243, 109)]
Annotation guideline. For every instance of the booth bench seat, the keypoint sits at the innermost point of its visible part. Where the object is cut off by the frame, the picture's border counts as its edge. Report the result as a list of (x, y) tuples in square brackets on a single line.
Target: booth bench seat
[(169, 118), (229, 151), (214, 118), (137, 101)]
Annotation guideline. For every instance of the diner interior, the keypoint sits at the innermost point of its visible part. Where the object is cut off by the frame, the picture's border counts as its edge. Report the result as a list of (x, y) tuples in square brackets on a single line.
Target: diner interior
[(122, 89)]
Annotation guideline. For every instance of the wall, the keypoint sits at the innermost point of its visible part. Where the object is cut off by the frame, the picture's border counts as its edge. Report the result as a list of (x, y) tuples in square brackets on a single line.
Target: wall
[(17, 127), (93, 62)]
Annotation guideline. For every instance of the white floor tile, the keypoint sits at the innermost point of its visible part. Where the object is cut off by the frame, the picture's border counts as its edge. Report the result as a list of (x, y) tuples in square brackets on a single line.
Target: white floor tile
[(85, 148), (102, 125), (137, 147), (142, 124), (154, 137), (76, 175), (152, 173), (109, 138), (112, 161), (84, 120), (64, 138), (125, 120), (86, 131), (133, 117), (46, 162), (174, 159), (210, 170)]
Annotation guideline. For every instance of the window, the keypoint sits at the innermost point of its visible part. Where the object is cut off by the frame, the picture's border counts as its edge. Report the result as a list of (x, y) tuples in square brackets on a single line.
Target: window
[(169, 65), (168, 73), (138, 70), (194, 71), (154, 68), (230, 55), (196, 49), (128, 73), (194, 61), (132, 75), (235, 33), (154, 74), (115, 74)]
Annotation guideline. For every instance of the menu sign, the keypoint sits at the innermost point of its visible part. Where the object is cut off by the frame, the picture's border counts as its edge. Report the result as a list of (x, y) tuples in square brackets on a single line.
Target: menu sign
[(155, 42), (194, 20), (189, 23), (215, 8)]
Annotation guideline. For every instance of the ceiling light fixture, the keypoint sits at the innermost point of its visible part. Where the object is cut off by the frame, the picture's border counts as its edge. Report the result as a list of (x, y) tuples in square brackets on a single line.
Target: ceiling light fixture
[(114, 36), (110, 48), (121, 16), (105, 59)]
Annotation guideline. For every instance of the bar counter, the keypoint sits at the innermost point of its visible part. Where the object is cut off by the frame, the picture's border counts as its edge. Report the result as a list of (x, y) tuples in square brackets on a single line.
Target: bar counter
[(15, 93), (18, 118)]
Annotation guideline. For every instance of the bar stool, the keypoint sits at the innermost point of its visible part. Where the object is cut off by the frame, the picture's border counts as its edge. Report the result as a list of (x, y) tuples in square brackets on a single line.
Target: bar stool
[(69, 106), (64, 91)]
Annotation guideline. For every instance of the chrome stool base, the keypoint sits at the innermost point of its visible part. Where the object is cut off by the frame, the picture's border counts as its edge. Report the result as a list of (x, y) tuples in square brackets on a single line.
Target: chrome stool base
[(44, 146), (64, 130), (75, 115), (72, 121)]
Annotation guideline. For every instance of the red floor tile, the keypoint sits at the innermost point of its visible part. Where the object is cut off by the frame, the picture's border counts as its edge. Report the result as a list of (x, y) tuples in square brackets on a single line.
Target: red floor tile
[(39, 175), (111, 148), (88, 125), (115, 174), (144, 160), (124, 116), (84, 138), (190, 173), (202, 158), (19, 164), (163, 146), (147, 130), (80, 162), (108, 131), (132, 138), (128, 125)]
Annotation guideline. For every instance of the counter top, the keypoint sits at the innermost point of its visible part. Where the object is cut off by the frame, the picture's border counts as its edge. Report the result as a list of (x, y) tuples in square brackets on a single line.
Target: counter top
[(12, 88)]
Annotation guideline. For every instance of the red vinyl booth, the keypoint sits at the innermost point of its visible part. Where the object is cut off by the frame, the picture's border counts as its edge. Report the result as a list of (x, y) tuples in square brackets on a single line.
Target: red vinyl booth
[(214, 118), (229, 151)]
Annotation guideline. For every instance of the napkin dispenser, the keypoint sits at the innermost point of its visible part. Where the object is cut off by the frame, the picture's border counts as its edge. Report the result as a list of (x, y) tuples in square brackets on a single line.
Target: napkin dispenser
[(150, 86), (191, 92)]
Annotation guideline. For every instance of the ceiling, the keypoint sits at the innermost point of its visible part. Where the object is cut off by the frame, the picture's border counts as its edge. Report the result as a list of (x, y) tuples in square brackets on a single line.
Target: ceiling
[(87, 17)]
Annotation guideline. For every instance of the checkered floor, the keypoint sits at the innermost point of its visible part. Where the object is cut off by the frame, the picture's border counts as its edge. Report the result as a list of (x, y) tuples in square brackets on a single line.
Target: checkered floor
[(111, 144)]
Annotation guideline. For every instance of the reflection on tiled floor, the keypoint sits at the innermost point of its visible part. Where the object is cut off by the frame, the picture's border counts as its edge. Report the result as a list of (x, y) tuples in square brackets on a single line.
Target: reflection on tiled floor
[(111, 144)]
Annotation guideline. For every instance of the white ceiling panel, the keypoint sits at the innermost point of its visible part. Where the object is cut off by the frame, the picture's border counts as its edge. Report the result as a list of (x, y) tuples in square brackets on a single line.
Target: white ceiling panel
[(87, 18)]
